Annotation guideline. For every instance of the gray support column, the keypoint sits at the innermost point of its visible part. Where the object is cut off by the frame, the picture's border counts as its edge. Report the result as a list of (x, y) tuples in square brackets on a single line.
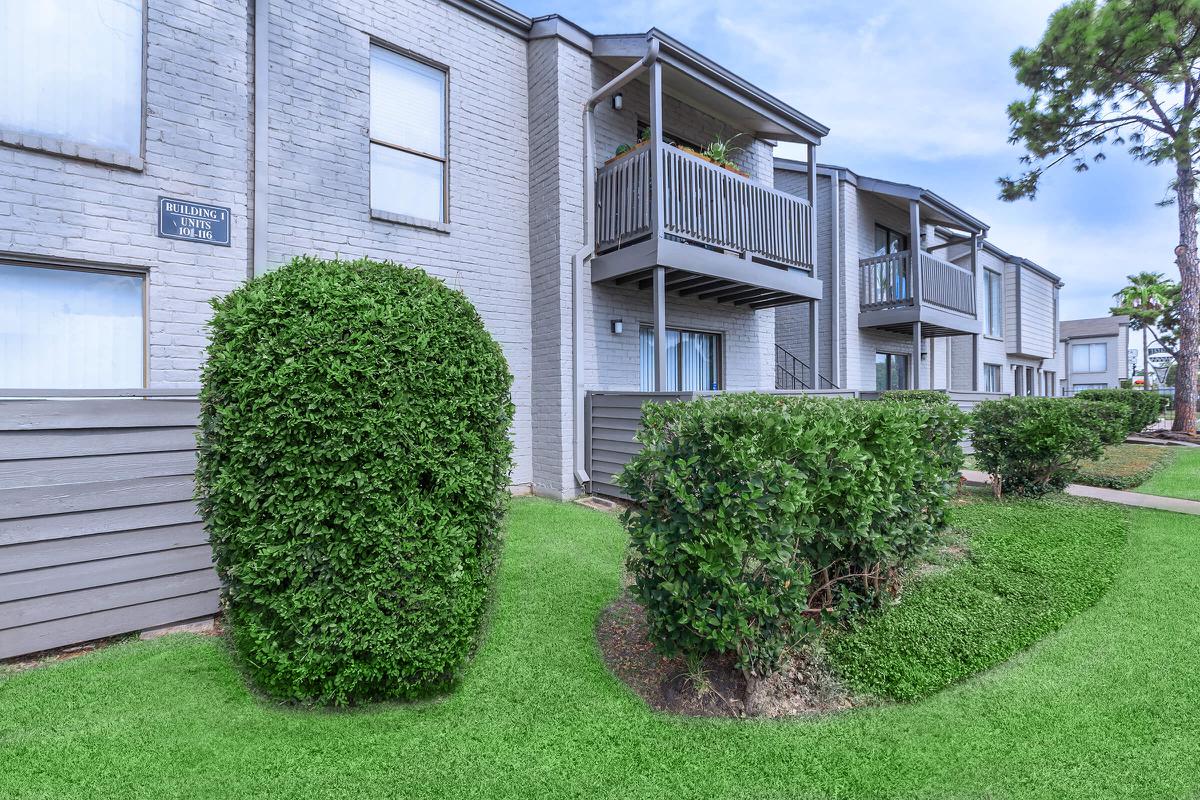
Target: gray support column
[(914, 249), (974, 362), (814, 349), (915, 362), (656, 149), (932, 363), (660, 329)]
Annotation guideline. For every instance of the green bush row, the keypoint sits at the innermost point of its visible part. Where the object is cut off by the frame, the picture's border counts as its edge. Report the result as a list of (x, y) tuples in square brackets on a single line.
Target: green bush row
[(755, 512), (354, 460), (1034, 445), (1144, 407)]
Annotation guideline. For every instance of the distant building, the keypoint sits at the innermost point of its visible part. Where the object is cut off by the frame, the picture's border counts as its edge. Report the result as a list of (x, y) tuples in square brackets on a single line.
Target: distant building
[(1094, 353)]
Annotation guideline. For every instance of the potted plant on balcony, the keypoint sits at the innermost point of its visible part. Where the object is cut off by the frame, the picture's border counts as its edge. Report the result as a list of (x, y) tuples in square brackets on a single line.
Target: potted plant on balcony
[(625, 148), (721, 151)]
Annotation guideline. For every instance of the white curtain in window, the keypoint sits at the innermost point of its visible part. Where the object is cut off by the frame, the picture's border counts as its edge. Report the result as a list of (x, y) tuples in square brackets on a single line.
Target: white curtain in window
[(67, 329), (693, 360), (72, 69)]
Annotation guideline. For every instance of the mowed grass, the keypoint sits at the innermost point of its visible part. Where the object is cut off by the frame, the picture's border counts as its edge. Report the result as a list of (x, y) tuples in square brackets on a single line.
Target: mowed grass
[(1103, 708), (1124, 466), (1181, 478), (1033, 565)]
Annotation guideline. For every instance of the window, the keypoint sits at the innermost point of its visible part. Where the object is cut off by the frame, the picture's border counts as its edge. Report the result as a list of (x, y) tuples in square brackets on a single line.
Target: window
[(72, 70), (891, 371), (408, 136), (1079, 387), (70, 329), (993, 298), (1049, 383), (1089, 357), (889, 241), (693, 360), (991, 378)]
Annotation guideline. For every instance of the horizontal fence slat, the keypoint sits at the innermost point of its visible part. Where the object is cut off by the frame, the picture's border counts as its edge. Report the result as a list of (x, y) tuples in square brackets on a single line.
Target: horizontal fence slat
[(88, 469), (97, 625), (69, 604), (23, 415), (17, 445), (53, 552), (70, 577), (31, 501), (85, 523)]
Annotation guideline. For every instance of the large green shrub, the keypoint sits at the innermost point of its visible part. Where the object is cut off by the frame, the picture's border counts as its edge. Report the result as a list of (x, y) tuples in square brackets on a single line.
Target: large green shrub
[(752, 509), (354, 459), (1110, 420), (1144, 407), (1033, 445)]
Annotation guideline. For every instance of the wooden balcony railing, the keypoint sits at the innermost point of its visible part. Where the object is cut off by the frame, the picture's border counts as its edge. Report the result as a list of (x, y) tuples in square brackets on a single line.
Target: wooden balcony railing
[(704, 204), (886, 283)]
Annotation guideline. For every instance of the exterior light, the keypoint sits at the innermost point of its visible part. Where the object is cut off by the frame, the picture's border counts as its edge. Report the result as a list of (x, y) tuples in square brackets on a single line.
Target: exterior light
[(617, 325), (618, 102)]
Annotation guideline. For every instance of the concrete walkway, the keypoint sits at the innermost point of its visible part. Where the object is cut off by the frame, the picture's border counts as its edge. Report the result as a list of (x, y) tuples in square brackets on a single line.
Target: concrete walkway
[(977, 478)]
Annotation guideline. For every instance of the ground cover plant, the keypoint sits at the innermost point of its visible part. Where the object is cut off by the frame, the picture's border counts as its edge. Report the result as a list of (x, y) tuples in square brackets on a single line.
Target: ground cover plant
[(756, 513), (1020, 582), (1124, 466), (1105, 707), (353, 471), (1180, 479)]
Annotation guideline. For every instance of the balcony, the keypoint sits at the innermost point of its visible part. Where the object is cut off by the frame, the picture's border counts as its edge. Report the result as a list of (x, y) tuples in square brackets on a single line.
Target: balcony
[(942, 296), (722, 236)]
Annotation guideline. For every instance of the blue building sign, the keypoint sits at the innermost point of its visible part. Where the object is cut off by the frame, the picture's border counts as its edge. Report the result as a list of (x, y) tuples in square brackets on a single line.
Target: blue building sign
[(193, 222)]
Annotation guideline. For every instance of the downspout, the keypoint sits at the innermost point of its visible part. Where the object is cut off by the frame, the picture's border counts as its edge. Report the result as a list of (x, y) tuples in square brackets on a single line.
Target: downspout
[(258, 235), (835, 278), (589, 243)]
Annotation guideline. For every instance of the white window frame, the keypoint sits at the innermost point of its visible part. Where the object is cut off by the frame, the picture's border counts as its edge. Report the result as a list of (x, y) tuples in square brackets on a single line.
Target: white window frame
[(1091, 348), (719, 352), (997, 280), (444, 159), (83, 151)]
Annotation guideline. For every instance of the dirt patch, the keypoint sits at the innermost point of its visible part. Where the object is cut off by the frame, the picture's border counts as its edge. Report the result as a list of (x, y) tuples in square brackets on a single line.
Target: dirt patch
[(804, 687), (1170, 436)]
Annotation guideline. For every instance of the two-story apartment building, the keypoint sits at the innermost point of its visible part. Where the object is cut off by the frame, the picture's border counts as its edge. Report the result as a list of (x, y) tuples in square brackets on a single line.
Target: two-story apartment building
[(551, 174), (916, 296), (1094, 353)]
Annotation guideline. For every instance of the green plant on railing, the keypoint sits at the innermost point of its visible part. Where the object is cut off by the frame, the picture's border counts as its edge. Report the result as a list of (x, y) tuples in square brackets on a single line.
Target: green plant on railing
[(721, 151)]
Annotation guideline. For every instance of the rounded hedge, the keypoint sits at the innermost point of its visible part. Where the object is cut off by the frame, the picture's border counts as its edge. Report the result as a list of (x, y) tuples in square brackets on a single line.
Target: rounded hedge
[(354, 460)]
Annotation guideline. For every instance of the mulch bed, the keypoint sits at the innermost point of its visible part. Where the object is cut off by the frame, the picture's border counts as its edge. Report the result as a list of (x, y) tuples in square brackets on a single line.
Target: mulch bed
[(804, 687), (1171, 436)]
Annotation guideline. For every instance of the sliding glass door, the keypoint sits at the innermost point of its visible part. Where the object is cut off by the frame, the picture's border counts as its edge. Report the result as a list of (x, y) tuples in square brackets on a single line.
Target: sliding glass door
[(693, 360)]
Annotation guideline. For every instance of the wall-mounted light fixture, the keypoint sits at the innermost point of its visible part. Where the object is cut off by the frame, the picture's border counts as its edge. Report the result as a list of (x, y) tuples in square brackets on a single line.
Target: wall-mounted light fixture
[(618, 101), (617, 325)]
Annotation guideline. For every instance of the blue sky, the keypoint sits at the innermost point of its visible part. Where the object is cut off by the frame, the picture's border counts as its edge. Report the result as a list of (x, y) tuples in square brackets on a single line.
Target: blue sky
[(915, 91)]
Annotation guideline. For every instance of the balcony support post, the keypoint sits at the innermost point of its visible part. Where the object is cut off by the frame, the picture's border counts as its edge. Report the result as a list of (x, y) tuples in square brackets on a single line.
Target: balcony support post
[(914, 250), (974, 362), (916, 355), (977, 282), (656, 151), (660, 329), (814, 349)]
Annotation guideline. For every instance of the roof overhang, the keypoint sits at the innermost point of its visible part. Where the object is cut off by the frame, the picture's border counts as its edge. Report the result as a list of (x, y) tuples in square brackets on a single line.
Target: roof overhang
[(1023, 262), (705, 85)]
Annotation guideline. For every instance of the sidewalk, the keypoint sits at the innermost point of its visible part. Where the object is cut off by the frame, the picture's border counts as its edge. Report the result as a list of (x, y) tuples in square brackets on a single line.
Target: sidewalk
[(977, 478)]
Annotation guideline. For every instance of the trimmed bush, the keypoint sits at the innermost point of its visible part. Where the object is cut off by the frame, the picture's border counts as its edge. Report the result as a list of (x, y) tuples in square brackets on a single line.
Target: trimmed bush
[(755, 509), (1033, 445), (1144, 407), (354, 460), (1110, 420)]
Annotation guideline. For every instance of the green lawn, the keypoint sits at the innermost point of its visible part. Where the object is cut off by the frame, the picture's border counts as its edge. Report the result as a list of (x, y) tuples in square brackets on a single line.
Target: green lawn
[(1105, 707), (1181, 478)]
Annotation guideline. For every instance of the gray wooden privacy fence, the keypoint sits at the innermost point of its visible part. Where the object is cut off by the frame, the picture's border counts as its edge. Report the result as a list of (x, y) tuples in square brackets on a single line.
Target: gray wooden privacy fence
[(99, 533)]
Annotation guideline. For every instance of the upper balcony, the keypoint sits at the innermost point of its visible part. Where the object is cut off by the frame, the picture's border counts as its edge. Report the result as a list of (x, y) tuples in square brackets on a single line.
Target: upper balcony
[(706, 231)]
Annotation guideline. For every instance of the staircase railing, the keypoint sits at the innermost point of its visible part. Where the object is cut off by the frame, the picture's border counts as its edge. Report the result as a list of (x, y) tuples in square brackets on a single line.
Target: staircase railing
[(792, 374)]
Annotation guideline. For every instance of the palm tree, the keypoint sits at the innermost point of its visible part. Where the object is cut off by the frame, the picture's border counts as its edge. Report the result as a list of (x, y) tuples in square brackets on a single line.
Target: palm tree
[(1143, 300)]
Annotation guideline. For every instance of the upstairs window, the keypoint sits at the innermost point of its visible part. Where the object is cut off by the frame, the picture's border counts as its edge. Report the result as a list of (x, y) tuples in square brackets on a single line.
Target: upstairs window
[(889, 241), (72, 70), (408, 136), (993, 299), (1089, 357)]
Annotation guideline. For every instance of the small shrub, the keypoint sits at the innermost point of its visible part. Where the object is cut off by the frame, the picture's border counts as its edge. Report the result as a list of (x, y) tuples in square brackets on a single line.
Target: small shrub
[(1144, 407), (354, 460), (755, 510), (1033, 445), (1110, 420)]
